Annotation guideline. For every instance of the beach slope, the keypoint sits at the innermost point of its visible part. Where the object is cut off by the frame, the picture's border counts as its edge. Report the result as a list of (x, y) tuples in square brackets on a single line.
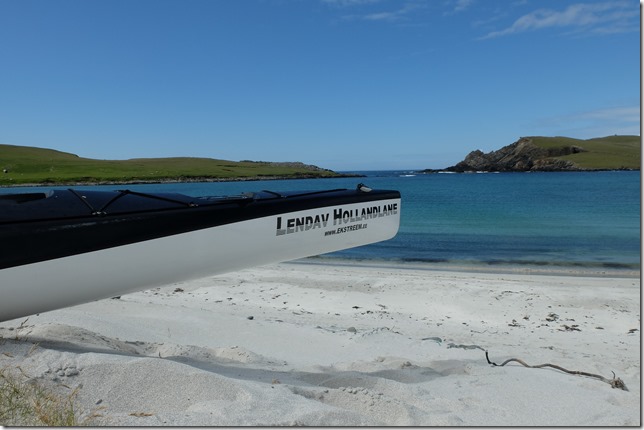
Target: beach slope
[(340, 345)]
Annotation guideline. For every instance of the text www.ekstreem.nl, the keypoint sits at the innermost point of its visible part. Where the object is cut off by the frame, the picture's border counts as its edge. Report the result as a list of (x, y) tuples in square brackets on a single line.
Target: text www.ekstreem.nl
[(340, 230)]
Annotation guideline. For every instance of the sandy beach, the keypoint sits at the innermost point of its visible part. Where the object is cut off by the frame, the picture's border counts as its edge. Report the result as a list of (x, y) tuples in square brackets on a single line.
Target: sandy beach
[(346, 345)]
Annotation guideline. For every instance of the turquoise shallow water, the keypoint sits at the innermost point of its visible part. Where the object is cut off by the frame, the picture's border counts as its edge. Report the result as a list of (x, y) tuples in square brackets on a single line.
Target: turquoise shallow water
[(584, 220), (543, 219)]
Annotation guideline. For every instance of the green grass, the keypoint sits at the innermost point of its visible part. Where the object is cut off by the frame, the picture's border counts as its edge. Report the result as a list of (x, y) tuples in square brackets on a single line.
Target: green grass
[(603, 153), (26, 402), (29, 165)]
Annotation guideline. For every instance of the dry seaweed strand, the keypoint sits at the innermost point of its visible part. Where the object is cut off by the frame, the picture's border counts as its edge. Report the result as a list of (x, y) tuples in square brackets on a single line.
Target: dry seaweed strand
[(615, 382)]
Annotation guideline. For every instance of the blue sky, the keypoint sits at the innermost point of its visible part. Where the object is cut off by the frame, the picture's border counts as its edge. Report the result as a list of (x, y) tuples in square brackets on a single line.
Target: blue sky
[(343, 84)]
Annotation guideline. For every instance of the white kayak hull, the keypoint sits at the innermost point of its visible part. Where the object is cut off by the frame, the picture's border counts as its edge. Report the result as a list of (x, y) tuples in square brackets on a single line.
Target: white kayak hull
[(70, 280)]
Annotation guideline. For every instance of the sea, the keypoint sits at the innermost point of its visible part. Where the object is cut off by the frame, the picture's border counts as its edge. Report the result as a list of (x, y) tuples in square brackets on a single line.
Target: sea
[(548, 221)]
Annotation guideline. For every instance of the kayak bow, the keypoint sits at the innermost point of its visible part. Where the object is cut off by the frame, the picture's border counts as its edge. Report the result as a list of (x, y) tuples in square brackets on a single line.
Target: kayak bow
[(67, 247)]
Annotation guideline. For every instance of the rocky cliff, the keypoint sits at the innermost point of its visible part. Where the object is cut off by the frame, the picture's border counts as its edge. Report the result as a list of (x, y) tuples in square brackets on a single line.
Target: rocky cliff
[(521, 156)]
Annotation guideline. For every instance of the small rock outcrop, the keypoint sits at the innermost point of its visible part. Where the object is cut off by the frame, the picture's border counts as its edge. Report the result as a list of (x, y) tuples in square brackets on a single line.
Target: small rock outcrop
[(520, 156)]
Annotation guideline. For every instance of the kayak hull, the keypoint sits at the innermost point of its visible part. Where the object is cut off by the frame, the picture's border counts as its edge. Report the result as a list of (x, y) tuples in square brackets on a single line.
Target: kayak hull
[(78, 276)]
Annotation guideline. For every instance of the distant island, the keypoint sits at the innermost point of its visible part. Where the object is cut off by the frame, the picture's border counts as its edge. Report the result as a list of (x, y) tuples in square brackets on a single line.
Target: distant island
[(25, 165), (550, 154)]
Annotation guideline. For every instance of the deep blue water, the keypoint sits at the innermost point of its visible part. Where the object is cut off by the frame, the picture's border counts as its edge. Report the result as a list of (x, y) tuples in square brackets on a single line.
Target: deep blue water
[(545, 219)]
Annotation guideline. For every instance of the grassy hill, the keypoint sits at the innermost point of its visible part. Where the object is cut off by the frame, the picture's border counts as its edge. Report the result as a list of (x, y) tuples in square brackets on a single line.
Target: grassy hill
[(29, 165), (602, 153)]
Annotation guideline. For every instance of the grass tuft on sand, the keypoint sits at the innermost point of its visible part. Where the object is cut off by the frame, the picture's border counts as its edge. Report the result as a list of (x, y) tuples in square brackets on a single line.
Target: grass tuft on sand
[(26, 402)]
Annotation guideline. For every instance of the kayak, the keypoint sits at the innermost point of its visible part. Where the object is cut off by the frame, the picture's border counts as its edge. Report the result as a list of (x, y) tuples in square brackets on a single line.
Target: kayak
[(66, 247)]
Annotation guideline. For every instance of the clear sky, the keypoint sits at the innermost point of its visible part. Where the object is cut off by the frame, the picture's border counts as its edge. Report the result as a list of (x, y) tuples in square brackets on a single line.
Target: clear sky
[(343, 84)]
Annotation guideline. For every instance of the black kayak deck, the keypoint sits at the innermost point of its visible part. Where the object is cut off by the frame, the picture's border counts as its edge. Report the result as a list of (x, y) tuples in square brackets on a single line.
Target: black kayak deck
[(43, 226)]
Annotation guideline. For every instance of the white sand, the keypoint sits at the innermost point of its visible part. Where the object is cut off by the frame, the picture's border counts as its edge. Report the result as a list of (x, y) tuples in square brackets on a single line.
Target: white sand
[(345, 345)]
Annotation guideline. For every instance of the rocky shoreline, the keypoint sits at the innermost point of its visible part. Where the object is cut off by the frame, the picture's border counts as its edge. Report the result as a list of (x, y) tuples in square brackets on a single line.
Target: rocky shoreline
[(520, 156)]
